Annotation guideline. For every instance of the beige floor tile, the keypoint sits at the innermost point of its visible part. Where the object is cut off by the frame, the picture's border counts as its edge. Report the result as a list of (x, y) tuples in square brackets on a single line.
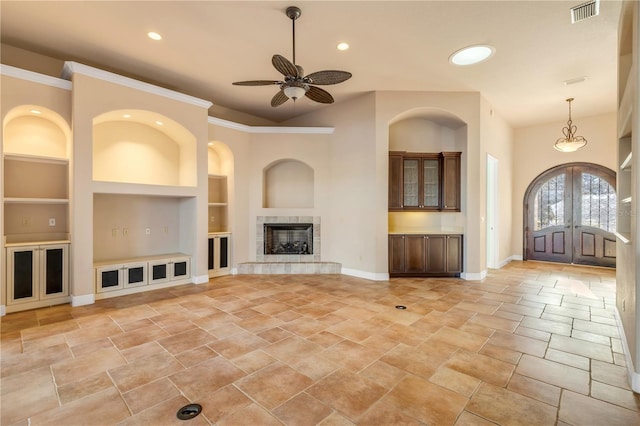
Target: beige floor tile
[(517, 343), (302, 409), (385, 413), (347, 393), (205, 378), (84, 387), (238, 344), (274, 384), (253, 361), (503, 354), (138, 336), (568, 359), (185, 341), (453, 380), (462, 339), (485, 368), (252, 414), (144, 370), (610, 374), (223, 402), (351, 355), (151, 394), (470, 419), (75, 369), (577, 409), (553, 373), (412, 361), (92, 410), (546, 325), (27, 394), (581, 347), (427, 402), (505, 407), (615, 395), (23, 362), (383, 374), (164, 413), (535, 389)]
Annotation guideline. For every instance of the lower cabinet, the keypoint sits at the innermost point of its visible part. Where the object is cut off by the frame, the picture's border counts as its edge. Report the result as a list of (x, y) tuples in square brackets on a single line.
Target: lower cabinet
[(425, 255), (218, 259), (37, 275), (139, 272)]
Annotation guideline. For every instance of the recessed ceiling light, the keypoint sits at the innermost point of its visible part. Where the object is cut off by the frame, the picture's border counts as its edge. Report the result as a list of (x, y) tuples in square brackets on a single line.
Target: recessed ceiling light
[(210, 144), (154, 35), (472, 55), (126, 115), (159, 123), (343, 46), (35, 111)]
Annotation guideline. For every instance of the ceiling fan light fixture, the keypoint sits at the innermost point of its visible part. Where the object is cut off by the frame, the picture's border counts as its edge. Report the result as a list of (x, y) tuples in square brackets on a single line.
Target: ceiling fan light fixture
[(294, 92), (472, 54), (571, 142)]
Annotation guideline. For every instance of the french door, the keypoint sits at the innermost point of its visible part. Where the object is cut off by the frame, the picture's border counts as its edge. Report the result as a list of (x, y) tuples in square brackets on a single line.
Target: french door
[(570, 216)]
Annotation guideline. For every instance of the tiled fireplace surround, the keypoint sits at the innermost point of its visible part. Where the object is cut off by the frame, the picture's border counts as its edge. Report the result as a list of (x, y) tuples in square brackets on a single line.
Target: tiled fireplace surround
[(291, 263)]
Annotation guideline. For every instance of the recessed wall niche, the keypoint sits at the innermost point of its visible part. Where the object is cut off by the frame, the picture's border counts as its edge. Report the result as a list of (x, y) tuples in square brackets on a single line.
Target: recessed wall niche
[(143, 147), (288, 184)]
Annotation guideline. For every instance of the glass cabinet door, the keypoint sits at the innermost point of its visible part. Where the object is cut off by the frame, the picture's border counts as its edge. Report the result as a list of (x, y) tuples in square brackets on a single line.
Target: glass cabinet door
[(411, 171), (224, 249), (23, 267), (431, 182), (54, 276)]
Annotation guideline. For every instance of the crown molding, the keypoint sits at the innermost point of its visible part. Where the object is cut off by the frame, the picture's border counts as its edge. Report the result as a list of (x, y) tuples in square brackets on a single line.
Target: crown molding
[(71, 68), (270, 129), (35, 77)]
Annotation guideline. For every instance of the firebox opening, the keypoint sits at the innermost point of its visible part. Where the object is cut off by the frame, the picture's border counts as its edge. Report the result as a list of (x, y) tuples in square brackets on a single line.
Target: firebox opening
[(288, 238)]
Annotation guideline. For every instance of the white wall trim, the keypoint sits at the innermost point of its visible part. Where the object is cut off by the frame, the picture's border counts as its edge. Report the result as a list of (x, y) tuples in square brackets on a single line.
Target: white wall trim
[(509, 259), (71, 68), (634, 378), (3, 310), (270, 129), (474, 276), (85, 299), (201, 279), (234, 271), (35, 77), (373, 276)]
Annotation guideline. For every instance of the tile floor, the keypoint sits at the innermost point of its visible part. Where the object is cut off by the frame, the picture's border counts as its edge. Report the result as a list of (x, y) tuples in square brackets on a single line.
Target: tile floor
[(532, 344)]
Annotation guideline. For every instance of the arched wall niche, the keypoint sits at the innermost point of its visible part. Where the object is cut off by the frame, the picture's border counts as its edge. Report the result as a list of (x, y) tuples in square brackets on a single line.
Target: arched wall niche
[(288, 183), (36, 131), (219, 159), (427, 130), (138, 146)]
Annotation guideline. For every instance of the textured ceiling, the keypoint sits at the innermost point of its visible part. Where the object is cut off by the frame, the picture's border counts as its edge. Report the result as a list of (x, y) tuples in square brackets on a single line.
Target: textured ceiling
[(395, 45)]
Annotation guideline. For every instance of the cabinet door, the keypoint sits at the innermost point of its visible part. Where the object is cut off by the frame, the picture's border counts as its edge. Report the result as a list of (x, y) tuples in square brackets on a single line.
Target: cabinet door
[(54, 270), (451, 181), (109, 278), (223, 258), (180, 268), (454, 253), (411, 171), (415, 259), (158, 271), (436, 254), (211, 252), (395, 182), (431, 183), (135, 274), (396, 254), (22, 274)]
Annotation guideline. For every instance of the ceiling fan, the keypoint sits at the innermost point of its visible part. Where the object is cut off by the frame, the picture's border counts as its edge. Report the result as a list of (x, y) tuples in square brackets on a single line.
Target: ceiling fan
[(295, 83)]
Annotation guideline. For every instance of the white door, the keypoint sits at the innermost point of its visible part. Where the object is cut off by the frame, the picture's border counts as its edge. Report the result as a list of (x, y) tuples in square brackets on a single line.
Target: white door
[(492, 213)]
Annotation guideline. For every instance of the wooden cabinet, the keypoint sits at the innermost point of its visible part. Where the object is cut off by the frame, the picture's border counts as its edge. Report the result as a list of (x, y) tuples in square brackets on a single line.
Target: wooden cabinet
[(218, 261), (119, 276), (424, 181), (37, 274), (425, 255)]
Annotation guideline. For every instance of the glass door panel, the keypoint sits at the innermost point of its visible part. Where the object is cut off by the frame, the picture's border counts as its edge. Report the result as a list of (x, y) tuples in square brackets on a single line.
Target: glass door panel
[(23, 274), (411, 181), (54, 271), (431, 183)]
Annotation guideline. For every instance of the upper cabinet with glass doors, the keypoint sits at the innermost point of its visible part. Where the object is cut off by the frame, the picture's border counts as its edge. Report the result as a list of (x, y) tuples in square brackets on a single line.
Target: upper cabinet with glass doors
[(424, 181)]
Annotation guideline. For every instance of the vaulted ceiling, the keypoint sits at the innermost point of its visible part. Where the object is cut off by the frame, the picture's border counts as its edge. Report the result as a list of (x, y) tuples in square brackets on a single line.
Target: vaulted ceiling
[(394, 45)]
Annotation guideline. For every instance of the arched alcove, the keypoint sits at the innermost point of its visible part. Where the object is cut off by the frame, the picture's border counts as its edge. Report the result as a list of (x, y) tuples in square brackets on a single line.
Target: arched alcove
[(135, 146), (220, 185), (288, 183), (36, 131), (427, 130)]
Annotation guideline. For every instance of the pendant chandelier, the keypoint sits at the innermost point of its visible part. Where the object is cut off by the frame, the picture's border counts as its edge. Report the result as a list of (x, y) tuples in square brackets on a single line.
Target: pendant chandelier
[(570, 142)]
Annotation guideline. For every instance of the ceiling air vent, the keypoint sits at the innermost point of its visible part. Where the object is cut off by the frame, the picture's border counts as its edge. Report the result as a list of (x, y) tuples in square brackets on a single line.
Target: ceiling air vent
[(585, 10)]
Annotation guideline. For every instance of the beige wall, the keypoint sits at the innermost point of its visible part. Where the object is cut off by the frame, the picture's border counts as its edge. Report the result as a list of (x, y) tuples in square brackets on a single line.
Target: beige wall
[(533, 153)]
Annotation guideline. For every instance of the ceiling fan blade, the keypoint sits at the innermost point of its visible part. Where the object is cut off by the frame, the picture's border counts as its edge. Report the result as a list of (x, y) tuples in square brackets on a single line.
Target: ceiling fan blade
[(284, 66), (257, 83), (278, 99), (328, 77), (319, 95)]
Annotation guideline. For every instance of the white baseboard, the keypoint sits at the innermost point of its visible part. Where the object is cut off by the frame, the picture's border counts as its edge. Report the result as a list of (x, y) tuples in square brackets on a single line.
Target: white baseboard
[(473, 276), (373, 276), (634, 378), (85, 299), (234, 271), (201, 279), (509, 259), (3, 310)]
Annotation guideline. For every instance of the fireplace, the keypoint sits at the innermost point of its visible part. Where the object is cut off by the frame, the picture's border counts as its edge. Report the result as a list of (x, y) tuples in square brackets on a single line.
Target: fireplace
[(288, 238)]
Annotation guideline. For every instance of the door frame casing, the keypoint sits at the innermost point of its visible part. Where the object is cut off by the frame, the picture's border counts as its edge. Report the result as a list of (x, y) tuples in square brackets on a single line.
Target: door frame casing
[(541, 178)]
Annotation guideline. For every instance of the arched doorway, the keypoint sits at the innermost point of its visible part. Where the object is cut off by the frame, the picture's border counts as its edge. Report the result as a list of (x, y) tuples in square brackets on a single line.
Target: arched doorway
[(570, 215)]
